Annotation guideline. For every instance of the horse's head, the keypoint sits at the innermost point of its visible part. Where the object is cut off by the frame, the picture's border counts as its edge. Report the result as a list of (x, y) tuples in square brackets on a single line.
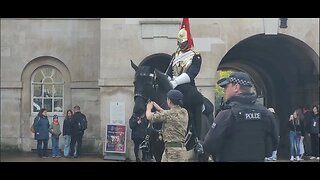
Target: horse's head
[(144, 87), (149, 84)]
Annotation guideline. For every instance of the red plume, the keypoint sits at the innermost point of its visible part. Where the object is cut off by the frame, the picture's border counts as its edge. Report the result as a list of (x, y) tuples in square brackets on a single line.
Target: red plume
[(185, 24)]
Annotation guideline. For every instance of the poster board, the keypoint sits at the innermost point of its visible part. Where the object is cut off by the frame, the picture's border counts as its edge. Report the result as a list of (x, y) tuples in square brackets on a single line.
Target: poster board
[(117, 113), (115, 139)]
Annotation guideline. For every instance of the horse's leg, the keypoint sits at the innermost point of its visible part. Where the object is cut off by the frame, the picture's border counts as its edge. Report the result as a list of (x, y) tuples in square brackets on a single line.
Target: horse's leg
[(152, 148), (157, 147), (159, 151), (197, 120)]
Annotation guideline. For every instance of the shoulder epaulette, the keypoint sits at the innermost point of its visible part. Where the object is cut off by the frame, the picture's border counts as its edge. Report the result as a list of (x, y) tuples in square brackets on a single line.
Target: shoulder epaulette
[(195, 52)]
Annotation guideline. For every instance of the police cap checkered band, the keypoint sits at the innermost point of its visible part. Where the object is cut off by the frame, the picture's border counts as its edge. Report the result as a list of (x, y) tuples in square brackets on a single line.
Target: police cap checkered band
[(237, 78)]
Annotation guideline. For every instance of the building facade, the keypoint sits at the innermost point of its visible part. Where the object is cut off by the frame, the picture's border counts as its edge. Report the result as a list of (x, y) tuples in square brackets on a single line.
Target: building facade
[(60, 63)]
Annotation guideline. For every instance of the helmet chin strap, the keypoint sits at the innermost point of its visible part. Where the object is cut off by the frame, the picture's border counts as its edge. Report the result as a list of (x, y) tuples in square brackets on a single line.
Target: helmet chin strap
[(184, 48)]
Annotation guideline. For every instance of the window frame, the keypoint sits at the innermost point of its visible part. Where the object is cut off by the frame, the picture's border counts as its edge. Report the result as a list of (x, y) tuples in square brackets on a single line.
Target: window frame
[(53, 84)]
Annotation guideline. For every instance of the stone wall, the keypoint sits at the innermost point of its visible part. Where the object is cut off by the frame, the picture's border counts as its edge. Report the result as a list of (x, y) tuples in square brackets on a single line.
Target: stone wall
[(94, 57)]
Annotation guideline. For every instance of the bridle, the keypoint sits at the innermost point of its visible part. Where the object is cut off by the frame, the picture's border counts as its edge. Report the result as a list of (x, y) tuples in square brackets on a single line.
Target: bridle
[(147, 99), (154, 86)]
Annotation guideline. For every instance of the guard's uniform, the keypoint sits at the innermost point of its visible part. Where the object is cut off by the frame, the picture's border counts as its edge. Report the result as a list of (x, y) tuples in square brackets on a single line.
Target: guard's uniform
[(174, 127), (183, 68), (188, 63), (185, 62), (239, 133)]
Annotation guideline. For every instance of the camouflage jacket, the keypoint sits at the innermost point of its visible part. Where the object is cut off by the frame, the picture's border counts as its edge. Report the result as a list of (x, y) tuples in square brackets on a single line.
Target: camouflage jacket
[(175, 123)]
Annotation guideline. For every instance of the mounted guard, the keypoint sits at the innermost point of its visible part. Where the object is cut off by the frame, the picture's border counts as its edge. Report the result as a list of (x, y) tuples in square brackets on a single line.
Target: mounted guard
[(183, 68)]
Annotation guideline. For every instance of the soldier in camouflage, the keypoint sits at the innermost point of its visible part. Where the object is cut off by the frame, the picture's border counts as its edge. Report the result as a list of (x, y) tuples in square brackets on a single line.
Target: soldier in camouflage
[(175, 122)]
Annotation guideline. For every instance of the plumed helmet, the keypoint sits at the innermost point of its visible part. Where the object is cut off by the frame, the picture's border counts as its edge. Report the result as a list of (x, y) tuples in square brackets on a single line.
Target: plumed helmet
[(185, 33), (182, 36)]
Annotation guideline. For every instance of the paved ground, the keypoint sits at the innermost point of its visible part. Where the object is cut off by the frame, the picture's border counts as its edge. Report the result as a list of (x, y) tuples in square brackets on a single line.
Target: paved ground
[(32, 157)]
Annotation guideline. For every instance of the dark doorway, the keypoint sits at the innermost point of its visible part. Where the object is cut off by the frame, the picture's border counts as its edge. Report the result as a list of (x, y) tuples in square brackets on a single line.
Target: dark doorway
[(285, 71), (159, 61)]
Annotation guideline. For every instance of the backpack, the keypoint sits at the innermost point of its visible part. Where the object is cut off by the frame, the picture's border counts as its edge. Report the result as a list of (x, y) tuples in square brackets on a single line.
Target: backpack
[(83, 123)]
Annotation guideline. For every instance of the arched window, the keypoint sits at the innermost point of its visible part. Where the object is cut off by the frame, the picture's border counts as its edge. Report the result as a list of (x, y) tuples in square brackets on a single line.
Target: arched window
[(47, 88)]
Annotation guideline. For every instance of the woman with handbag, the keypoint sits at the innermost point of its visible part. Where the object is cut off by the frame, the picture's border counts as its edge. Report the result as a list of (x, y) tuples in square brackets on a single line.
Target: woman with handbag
[(41, 128)]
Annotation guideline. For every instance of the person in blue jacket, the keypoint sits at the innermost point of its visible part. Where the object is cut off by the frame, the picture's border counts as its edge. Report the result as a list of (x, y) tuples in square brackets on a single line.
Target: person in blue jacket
[(41, 126)]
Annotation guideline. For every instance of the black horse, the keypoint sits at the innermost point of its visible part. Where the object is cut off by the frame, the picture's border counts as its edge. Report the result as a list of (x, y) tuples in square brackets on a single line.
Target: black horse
[(151, 84)]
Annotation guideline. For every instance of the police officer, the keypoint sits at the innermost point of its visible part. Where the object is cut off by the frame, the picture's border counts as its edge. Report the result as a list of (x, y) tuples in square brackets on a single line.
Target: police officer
[(175, 121), (239, 133)]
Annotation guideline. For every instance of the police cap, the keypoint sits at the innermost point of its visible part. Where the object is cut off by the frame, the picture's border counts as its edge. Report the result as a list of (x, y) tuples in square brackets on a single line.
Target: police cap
[(238, 78)]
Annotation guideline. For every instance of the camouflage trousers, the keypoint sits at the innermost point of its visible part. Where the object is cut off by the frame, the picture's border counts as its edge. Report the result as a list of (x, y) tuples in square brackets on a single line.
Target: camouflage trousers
[(174, 154)]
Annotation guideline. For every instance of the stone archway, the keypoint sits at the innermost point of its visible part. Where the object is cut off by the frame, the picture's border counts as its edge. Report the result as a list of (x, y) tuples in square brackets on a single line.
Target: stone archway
[(160, 61), (27, 142), (285, 71)]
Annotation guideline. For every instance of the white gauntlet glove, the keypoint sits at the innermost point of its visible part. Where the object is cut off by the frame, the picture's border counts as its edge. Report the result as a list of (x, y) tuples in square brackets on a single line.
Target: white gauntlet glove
[(182, 79), (173, 84), (169, 78)]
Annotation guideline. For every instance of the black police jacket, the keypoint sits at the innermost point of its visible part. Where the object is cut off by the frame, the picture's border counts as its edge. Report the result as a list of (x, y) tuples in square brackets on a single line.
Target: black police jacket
[(240, 133)]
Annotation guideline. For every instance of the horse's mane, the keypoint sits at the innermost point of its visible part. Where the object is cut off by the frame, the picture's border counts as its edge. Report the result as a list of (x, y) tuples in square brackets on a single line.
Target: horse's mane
[(163, 81)]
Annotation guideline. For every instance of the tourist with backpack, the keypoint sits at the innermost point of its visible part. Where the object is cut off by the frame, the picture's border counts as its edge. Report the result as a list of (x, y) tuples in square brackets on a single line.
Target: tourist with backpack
[(78, 126)]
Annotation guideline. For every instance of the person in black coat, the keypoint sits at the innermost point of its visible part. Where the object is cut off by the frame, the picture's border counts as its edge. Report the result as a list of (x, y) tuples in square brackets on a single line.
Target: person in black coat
[(138, 126), (271, 154), (314, 132), (76, 132), (66, 132)]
